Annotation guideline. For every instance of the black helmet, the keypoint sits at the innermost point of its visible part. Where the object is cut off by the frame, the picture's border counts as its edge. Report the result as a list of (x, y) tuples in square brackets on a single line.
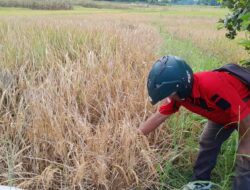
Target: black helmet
[(169, 74)]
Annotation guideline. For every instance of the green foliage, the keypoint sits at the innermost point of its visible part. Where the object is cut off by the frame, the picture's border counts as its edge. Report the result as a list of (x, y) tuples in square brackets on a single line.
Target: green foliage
[(105, 4), (237, 20), (208, 2), (193, 2), (38, 4)]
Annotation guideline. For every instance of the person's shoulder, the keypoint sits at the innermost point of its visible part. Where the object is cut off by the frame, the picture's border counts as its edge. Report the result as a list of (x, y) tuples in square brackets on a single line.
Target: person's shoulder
[(208, 79), (206, 76)]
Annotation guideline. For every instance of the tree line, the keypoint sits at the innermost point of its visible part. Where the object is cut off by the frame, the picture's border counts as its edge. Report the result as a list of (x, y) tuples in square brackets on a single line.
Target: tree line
[(68, 4), (38, 4)]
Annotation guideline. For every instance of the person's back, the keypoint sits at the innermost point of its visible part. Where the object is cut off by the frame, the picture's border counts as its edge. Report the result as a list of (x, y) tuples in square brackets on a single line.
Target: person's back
[(215, 94)]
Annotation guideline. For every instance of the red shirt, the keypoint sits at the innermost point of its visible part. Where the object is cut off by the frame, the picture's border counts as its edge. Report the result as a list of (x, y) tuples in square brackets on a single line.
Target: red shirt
[(218, 96)]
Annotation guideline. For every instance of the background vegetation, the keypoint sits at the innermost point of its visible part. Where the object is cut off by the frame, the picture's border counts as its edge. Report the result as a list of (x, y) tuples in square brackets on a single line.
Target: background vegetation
[(238, 21), (68, 4), (38, 4), (73, 93)]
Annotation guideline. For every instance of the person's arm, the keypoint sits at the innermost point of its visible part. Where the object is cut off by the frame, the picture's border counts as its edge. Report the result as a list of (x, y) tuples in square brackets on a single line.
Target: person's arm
[(152, 123)]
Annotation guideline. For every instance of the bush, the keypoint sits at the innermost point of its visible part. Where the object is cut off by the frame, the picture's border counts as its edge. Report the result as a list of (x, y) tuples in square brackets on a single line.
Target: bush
[(38, 4), (237, 20)]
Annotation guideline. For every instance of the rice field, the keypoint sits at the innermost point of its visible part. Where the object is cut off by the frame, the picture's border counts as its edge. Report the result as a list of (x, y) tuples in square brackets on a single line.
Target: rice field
[(73, 92)]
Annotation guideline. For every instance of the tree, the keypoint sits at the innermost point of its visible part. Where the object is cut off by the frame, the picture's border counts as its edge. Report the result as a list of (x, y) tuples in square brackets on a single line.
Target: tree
[(237, 20), (208, 2)]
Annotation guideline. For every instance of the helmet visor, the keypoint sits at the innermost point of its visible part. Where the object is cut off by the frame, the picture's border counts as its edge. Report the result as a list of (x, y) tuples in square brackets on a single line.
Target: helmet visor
[(160, 91)]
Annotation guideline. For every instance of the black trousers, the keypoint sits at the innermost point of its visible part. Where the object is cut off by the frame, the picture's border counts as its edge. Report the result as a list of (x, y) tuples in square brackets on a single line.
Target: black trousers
[(211, 140)]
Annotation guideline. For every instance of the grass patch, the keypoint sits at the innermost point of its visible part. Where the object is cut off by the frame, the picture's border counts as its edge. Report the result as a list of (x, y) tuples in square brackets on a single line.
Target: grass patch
[(64, 110), (198, 59), (65, 116), (117, 8)]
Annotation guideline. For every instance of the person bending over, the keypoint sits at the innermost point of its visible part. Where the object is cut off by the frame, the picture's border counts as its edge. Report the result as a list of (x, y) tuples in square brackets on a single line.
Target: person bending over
[(220, 97)]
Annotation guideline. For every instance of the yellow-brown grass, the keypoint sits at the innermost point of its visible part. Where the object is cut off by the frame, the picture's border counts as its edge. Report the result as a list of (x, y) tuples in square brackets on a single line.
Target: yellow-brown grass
[(73, 93), (203, 32)]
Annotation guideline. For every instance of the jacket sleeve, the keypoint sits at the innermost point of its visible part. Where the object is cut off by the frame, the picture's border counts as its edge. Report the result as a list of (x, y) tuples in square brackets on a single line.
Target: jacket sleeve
[(169, 107)]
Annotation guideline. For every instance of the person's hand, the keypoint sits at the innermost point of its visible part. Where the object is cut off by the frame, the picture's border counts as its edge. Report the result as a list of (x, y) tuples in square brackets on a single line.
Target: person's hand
[(166, 101), (139, 131)]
